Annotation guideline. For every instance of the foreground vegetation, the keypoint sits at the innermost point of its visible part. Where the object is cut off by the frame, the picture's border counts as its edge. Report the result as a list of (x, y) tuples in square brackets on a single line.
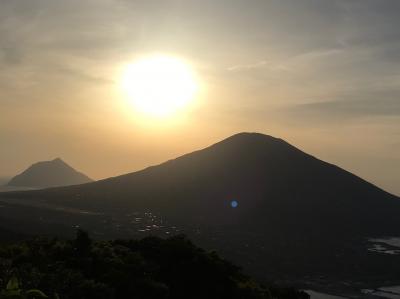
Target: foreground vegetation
[(148, 268)]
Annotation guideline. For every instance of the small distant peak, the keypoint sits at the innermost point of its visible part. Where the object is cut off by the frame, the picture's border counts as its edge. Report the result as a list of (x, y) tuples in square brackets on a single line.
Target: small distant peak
[(49, 173), (56, 161)]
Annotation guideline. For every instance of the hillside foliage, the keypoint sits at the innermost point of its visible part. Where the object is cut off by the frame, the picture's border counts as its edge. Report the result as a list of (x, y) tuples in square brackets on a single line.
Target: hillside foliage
[(148, 268)]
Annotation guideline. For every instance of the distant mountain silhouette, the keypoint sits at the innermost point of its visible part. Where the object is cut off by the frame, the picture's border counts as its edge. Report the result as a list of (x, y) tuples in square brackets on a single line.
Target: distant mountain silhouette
[(264, 203), (49, 174), (272, 182)]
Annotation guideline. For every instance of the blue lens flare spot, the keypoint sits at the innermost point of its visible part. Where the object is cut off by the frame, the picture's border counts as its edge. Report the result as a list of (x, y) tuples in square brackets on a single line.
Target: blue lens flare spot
[(234, 204)]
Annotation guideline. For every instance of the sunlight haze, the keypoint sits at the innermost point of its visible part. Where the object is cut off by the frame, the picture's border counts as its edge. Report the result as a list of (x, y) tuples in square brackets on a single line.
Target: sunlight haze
[(73, 78)]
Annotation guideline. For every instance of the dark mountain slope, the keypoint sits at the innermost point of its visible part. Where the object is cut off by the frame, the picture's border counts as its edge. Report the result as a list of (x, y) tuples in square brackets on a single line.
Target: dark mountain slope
[(49, 174), (274, 183)]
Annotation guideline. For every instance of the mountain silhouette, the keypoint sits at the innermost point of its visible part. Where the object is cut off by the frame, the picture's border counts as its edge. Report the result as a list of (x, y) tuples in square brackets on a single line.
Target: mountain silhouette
[(271, 181), (257, 199), (49, 174), (266, 176)]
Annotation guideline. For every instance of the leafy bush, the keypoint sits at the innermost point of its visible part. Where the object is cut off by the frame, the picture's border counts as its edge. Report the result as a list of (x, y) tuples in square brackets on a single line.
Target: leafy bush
[(13, 291)]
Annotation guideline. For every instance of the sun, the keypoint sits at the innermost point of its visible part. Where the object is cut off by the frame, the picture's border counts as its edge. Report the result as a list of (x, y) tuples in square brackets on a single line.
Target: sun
[(159, 86)]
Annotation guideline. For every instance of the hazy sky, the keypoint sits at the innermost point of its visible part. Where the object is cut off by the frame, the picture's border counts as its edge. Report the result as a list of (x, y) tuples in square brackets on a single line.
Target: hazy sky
[(322, 74)]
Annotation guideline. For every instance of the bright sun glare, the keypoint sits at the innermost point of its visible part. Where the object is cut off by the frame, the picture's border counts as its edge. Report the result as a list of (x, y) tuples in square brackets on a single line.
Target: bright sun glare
[(159, 86)]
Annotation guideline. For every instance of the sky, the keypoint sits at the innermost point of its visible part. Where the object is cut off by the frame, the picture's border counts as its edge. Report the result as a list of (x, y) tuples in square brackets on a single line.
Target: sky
[(322, 74)]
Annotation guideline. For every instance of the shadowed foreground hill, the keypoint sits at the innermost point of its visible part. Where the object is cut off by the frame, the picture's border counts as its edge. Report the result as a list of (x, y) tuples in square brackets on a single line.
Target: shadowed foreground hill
[(151, 268), (276, 185), (49, 174)]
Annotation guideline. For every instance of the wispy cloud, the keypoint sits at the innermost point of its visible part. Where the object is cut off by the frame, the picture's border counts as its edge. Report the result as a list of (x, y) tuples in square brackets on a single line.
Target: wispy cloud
[(262, 64), (347, 109), (256, 65)]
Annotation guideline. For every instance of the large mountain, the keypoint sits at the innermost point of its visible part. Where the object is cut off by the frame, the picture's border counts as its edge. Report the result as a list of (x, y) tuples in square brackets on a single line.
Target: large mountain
[(273, 183), (49, 174), (262, 202)]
